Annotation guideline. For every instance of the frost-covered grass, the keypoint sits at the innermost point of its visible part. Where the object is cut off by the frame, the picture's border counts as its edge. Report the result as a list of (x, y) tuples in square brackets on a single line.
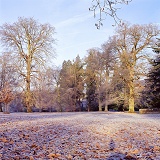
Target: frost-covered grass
[(79, 135)]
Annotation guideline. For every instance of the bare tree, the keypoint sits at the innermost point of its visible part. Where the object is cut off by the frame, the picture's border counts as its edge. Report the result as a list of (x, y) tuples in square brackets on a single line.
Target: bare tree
[(44, 88), (131, 44), (109, 58), (56, 81), (100, 65), (106, 7), (30, 42)]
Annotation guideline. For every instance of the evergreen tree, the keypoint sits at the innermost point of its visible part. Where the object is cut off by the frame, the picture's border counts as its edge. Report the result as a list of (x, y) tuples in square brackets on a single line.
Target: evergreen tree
[(91, 81), (71, 85), (153, 98), (91, 94)]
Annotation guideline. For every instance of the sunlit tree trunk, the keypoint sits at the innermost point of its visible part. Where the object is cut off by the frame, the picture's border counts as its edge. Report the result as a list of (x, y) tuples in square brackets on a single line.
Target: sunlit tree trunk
[(107, 89), (131, 99), (28, 79), (99, 92), (59, 98), (28, 96), (106, 108), (99, 104), (131, 91)]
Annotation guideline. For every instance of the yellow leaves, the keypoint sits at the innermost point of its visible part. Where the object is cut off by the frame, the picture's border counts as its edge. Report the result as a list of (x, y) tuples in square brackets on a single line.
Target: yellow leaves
[(135, 151), (17, 157), (26, 136), (69, 157), (11, 142), (156, 148), (87, 150), (31, 158), (24, 144), (54, 155), (3, 139), (57, 155), (44, 147), (129, 145), (33, 146), (96, 156), (97, 145)]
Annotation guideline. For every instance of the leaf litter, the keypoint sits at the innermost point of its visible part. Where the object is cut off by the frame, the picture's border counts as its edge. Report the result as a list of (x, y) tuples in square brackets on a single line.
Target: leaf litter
[(86, 136)]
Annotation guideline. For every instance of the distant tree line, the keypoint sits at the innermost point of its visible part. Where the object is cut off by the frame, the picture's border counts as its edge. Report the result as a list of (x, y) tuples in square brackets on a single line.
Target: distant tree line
[(119, 75)]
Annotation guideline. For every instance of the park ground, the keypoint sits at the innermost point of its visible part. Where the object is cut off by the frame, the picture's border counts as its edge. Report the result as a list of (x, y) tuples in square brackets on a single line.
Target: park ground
[(79, 136)]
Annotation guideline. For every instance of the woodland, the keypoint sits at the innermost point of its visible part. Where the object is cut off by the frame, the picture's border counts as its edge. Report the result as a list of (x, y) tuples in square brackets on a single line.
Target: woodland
[(122, 75)]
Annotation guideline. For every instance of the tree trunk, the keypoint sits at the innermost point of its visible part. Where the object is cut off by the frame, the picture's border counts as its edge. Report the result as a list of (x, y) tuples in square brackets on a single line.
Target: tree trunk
[(131, 92), (107, 89), (28, 77), (1, 107), (40, 110), (88, 109), (106, 108), (28, 96), (131, 99), (6, 109), (106, 102), (28, 84), (100, 108), (58, 98), (99, 104), (29, 108)]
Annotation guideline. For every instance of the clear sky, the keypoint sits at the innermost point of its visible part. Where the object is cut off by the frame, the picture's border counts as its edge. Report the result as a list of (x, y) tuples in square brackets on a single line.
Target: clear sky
[(74, 24)]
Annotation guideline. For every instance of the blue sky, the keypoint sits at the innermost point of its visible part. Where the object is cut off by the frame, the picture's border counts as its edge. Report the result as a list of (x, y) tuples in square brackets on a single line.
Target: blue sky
[(74, 24)]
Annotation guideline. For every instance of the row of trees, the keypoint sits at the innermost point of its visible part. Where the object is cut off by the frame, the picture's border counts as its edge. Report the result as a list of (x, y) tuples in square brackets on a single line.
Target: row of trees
[(112, 75)]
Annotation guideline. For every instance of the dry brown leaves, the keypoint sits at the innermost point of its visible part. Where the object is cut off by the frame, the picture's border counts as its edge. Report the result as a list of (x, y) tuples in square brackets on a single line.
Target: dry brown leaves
[(79, 136)]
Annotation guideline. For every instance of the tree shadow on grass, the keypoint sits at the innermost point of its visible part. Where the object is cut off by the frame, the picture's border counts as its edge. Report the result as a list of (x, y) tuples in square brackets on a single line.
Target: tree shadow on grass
[(118, 155)]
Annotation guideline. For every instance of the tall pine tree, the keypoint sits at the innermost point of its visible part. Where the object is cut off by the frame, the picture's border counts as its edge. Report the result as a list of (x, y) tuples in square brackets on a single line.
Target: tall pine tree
[(154, 80)]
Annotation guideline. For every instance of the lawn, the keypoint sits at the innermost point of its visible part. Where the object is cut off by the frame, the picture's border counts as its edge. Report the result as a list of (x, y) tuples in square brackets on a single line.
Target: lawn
[(79, 136)]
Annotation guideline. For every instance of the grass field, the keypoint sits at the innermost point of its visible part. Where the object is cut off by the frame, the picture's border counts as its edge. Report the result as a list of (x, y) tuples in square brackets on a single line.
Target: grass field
[(80, 135)]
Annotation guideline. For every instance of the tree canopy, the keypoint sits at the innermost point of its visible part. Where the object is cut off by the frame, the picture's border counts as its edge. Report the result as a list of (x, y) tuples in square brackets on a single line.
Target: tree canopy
[(31, 43)]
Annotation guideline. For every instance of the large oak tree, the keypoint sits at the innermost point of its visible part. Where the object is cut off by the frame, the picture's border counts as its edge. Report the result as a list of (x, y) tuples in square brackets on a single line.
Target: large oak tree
[(30, 42), (131, 44)]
